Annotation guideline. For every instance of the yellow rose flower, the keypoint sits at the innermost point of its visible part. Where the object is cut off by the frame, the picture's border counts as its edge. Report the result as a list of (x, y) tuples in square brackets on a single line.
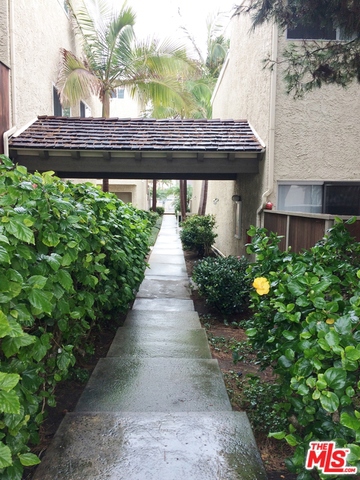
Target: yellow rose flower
[(261, 285)]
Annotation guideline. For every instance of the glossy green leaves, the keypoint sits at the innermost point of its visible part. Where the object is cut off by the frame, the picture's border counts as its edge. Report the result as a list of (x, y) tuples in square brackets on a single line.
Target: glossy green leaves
[(69, 255), (308, 328)]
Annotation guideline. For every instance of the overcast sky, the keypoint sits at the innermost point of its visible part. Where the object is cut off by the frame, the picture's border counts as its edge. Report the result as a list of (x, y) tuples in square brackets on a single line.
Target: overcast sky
[(161, 17)]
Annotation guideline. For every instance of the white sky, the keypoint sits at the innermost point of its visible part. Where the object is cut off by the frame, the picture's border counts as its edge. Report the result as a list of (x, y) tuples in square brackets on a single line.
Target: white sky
[(160, 18)]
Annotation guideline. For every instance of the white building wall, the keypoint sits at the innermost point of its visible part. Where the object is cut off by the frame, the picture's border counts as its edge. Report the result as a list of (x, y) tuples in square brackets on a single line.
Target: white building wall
[(4, 37), (243, 92), (313, 139), (317, 136), (126, 107), (137, 188), (37, 29)]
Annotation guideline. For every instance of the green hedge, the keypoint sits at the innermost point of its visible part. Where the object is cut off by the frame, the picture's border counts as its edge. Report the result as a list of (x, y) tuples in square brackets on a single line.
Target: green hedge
[(306, 324), (197, 233), (69, 255), (223, 282)]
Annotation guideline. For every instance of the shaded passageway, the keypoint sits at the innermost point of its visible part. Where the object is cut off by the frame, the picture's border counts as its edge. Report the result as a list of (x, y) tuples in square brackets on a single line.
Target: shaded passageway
[(156, 407)]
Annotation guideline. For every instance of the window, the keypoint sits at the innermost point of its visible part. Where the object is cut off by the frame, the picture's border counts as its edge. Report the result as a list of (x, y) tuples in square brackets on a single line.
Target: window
[(300, 198), (85, 110), (57, 104), (342, 198), (334, 198), (312, 32), (59, 110), (119, 93)]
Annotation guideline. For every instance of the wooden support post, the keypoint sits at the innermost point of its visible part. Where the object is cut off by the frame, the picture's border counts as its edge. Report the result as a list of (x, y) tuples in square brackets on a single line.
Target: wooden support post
[(154, 196)]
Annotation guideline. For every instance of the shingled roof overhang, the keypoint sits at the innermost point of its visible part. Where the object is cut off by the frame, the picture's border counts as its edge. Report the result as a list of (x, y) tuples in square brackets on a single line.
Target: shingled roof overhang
[(138, 148)]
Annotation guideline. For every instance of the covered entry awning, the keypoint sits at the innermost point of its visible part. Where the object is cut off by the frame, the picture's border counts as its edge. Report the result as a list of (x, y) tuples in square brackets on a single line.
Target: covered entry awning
[(138, 148)]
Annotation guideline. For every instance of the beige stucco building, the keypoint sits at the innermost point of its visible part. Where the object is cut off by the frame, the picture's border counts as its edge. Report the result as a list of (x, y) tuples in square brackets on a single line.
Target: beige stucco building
[(32, 33), (312, 149)]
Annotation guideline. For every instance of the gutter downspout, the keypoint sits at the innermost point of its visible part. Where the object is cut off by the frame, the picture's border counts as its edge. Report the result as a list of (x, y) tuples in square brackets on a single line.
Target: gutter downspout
[(271, 148), (6, 137), (12, 63), (17, 132)]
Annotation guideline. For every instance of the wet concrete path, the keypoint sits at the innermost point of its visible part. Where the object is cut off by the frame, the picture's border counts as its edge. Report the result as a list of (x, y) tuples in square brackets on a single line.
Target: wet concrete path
[(156, 407)]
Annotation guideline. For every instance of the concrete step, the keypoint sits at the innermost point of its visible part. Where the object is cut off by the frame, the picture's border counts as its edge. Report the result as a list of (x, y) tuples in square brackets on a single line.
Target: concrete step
[(185, 319), (134, 384), (158, 341), (163, 304), (166, 269), (157, 287), (162, 258), (168, 250), (153, 446)]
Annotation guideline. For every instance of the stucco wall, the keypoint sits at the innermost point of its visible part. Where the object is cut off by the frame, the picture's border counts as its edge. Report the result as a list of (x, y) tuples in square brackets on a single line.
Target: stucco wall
[(315, 139), (126, 107), (41, 28), (317, 136), (138, 189), (4, 37), (243, 92)]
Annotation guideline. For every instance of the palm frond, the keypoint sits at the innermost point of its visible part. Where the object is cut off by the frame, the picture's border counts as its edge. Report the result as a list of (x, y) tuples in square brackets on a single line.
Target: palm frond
[(75, 80)]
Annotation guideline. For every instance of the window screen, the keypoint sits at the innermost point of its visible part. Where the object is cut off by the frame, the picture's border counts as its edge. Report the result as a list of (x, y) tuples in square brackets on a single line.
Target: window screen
[(311, 32), (342, 198)]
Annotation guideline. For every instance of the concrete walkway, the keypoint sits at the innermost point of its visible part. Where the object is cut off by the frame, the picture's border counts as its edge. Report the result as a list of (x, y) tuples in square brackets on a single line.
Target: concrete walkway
[(156, 407)]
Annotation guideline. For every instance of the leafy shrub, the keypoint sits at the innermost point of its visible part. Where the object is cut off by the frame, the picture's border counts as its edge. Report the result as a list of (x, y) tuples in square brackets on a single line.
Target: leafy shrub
[(223, 282), (155, 230), (308, 328), (159, 210), (69, 255), (151, 216), (197, 233)]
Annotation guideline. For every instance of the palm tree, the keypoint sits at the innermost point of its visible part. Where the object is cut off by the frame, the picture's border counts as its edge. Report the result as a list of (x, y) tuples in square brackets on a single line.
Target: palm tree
[(112, 57), (201, 89)]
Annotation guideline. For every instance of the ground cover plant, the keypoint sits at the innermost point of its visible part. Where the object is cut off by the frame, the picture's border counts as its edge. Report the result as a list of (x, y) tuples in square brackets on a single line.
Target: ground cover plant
[(69, 255), (305, 324), (250, 388)]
